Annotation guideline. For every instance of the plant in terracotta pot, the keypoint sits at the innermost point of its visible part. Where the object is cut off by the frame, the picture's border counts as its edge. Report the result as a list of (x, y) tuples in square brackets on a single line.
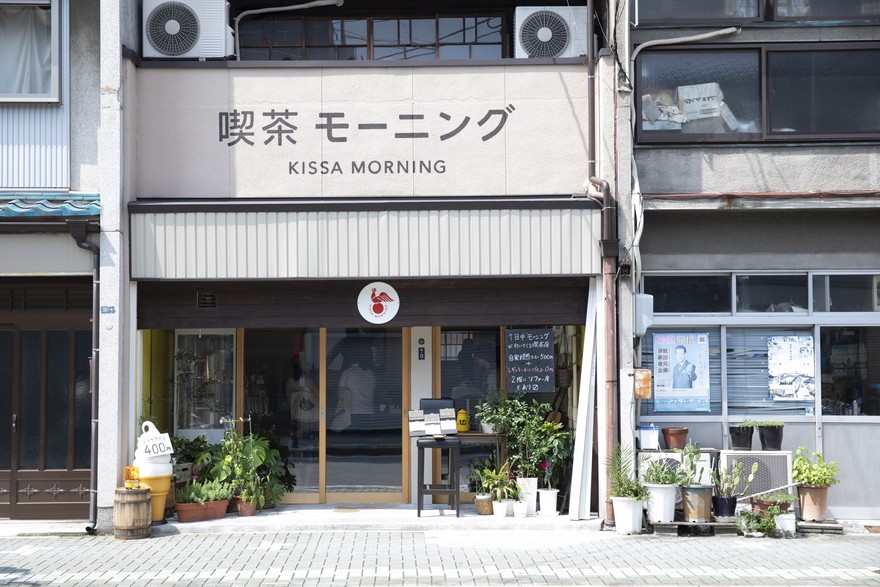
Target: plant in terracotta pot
[(675, 438), (770, 433), (741, 434), (189, 503), (217, 495), (627, 493), (814, 475), (780, 499), (661, 479), (730, 483)]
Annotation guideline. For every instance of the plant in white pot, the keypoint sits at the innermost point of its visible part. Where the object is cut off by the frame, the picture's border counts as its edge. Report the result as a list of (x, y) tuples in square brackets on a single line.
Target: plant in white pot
[(661, 479), (555, 448), (627, 493), (696, 497), (814, 475), (730, 483)]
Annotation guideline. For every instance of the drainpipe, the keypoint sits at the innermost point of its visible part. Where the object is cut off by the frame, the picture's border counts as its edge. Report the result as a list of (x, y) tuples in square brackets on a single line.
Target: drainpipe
[(609, 245), (78, 230)]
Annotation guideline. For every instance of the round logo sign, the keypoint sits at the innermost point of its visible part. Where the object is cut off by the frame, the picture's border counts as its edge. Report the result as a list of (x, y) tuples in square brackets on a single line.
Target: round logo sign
[(378, 303)]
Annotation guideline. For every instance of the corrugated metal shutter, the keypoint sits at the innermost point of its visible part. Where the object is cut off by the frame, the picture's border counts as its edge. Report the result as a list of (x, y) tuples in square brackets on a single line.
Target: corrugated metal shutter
[(349, 244)]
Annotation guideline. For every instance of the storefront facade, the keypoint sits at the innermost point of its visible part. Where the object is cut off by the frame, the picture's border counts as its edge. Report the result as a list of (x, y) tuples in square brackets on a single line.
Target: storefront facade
[(254, 248)]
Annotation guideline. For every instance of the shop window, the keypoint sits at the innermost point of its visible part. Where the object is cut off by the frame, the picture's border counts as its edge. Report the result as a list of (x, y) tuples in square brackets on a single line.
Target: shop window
[(469, 365), (770, 372), (690, 12), (704, 95), (688, 294), (850, 370), (292, 37), (706, 366), (846, 293), (771, 293), (30, 51)]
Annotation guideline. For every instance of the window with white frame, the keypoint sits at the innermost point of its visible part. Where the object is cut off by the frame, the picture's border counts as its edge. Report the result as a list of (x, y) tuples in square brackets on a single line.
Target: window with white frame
[(759, 93), (30, 50)]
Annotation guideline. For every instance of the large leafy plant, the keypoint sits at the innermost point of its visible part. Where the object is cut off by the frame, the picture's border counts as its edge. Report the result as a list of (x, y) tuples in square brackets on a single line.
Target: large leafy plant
[(812, 469), (531, 440)]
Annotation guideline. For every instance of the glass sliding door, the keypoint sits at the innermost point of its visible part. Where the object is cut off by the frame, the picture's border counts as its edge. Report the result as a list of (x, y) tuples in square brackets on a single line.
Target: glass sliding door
[(364, 448), (204, 377)]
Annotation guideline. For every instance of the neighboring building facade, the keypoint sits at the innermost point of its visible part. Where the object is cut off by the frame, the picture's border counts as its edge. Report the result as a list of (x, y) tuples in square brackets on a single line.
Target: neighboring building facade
[(754, 214), (49, 220)]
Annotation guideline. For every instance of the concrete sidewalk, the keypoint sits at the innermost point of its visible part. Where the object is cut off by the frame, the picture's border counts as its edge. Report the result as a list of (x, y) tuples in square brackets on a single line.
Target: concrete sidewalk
[(297, 518)]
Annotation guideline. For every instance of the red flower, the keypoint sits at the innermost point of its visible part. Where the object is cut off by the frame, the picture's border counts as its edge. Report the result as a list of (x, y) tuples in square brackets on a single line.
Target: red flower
[(544, 465)]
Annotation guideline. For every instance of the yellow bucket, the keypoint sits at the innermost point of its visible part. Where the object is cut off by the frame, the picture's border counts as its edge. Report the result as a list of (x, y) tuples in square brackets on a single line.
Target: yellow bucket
[(159, 488)]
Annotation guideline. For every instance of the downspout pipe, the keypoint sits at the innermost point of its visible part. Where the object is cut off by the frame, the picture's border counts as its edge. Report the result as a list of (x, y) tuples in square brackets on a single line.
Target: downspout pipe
[(609, 245), (246, 13), (79, 230)]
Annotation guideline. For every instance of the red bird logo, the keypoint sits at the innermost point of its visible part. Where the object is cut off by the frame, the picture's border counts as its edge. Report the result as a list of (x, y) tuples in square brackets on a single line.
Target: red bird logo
[(379, 300)]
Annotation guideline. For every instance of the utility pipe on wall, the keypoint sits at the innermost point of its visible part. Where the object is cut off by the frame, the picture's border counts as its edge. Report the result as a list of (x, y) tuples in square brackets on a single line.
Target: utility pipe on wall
[(609, 245), (78, 230)]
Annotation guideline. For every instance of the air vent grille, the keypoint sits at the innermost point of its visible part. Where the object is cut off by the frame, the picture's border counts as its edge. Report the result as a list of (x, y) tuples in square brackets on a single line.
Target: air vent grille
[(172, 29), (206, 300), (774, 468), (544, 34)]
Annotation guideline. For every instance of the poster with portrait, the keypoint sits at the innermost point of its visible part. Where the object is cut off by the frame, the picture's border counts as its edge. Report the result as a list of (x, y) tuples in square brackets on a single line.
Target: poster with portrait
[(791, 368), (681, 372)]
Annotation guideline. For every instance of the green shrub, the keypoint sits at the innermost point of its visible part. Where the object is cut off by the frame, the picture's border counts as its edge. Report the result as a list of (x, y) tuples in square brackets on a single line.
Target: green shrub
[(661, 472), (620, 470), (812, 469)]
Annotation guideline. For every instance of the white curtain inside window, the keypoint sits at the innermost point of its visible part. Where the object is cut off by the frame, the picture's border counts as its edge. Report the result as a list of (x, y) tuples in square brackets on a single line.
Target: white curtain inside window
[(25, 49)]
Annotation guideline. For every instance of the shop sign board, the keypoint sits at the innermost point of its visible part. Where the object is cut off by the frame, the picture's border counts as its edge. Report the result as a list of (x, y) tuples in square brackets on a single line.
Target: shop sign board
[(529, 360), (378, 303)]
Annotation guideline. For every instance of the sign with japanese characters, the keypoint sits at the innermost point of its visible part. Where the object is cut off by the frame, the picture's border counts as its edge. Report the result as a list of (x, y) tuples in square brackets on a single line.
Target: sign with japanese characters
[(681, 372), (342, 132), (528, 355), (791, 368)]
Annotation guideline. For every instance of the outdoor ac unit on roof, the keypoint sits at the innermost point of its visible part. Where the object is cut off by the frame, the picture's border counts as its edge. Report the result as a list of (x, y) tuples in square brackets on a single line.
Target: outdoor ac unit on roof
[(185, 29), (550, 31)]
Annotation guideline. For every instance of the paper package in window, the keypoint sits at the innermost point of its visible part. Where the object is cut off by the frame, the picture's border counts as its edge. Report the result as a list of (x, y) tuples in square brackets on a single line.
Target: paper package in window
[(700, 101), (660, 113)]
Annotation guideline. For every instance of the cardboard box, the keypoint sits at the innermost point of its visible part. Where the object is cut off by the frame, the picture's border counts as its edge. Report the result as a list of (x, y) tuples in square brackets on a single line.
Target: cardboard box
[(700, 101)]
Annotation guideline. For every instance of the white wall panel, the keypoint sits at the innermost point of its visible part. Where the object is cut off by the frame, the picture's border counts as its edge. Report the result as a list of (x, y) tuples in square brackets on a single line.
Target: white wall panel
[(346, 244)]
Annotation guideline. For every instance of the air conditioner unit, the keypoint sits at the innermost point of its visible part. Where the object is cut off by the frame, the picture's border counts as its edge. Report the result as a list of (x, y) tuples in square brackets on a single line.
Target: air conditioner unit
[(186, 29), (550, 31), (774, 468)]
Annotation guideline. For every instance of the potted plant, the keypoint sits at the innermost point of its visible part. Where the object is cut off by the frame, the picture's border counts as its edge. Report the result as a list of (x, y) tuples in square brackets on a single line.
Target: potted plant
[(757, 524), (696, 496), (238, 461), (522, 422), (741, 435), (479, 484), (189, 503), (730, 484), (217, 495), (780, 499), (627, 492), (814, 475), (276, 470), (675, 437), (186, 454), (500, 486), (661, 479), (770, 433), (555, 448)]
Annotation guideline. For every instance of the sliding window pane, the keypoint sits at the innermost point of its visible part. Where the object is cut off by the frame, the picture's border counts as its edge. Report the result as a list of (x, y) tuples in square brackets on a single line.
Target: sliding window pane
[(702, 94), (685, 294), (5, 399), (318, 32), (423, 31), (846, 293), (385, 32), (349, 32), (250, 32), (689, 10), (489, 30), (771, 293), (827, 9), (388, 53), (289, 32), (454, 52), (850, 378), (451, 30), (486, 52), (824, 92), (57, 396)]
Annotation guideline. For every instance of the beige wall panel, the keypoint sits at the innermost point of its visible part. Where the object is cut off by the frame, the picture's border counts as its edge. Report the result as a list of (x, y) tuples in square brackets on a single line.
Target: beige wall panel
[(346, 244), (186, 129), (43, 255)]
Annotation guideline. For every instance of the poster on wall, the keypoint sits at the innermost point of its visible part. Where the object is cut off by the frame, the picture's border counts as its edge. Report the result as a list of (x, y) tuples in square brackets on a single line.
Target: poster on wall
[(681, 372), (791, 368)]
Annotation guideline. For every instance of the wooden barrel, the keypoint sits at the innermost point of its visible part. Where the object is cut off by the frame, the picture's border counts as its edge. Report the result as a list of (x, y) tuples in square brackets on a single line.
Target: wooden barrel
[(132, 514)]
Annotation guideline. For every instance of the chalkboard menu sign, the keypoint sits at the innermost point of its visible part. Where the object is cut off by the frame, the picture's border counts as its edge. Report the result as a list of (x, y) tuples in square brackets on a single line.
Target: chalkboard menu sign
[(529, 359)]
